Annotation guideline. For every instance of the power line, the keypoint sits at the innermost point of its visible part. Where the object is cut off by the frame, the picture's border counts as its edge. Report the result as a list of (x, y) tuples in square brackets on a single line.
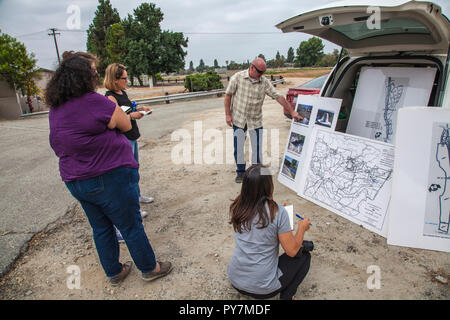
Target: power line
[(231, 33), (193, 32), (30, 34)]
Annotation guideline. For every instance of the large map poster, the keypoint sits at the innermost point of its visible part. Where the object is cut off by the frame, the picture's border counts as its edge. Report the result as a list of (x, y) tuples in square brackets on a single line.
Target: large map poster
[(419, 215), (350, 176), (381, 92)]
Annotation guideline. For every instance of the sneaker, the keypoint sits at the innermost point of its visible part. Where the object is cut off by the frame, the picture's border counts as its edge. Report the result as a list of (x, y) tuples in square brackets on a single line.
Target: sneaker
[(143, 213), (119, 236), (116, 280), (144, 199), (239, 178), (164, 270)]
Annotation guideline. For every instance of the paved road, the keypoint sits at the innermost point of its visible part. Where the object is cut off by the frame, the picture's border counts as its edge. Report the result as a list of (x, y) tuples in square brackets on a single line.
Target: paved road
[(33, 197), (166, 118)]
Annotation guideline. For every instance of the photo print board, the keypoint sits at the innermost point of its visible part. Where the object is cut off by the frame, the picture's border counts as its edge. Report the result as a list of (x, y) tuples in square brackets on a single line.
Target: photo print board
[(350, 176), (381, 92), (419, 213), (316, 111)]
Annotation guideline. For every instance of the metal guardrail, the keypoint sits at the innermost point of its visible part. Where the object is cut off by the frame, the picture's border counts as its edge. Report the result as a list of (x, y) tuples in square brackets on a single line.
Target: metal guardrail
[(167, 98), (178, 96)]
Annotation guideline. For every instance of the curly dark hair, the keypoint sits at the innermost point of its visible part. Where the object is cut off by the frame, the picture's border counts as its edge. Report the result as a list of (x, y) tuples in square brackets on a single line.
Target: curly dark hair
[(73, 78)]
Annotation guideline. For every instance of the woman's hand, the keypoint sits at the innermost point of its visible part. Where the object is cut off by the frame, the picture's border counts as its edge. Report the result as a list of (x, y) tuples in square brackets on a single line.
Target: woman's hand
[(144, 108), (304, 224), (292, 243), (136, 115)]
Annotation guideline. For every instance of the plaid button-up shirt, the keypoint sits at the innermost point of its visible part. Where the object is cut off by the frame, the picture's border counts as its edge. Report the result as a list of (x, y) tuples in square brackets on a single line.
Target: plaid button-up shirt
[(247, 99)]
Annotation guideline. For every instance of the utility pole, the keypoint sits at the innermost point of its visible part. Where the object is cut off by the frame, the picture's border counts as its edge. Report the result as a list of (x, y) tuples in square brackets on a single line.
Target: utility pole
[(56, 44)]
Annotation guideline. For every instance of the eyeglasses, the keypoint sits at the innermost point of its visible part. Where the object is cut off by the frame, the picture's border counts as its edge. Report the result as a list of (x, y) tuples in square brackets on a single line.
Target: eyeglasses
[(124, 78), (257, 70)]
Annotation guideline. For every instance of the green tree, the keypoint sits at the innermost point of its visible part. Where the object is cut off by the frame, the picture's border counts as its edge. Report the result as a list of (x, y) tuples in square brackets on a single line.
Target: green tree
[(201, 66), (261, 56), (172, 57), (149, 49), (191, 66), (309, 52), (115, 43), (278, 62), (329, 60), (290, 55), (17, 67), (105, 17), (203, 82), (216, 63), (234, 65), (142, 38)]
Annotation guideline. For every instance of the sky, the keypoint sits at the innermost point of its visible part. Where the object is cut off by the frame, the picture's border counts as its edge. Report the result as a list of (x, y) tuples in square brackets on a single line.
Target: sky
[(225, 30)]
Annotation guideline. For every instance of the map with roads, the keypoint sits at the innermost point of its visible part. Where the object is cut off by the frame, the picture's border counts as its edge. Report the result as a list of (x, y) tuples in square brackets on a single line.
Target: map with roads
[(351, 176)]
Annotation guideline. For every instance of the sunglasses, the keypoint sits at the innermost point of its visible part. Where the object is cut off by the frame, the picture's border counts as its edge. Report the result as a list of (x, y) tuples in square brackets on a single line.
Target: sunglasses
[(257, 70), (124, 78)]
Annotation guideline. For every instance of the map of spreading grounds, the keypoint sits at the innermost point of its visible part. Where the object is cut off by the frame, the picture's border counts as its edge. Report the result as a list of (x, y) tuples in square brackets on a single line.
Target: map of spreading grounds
[(437, 216), (352, 176)]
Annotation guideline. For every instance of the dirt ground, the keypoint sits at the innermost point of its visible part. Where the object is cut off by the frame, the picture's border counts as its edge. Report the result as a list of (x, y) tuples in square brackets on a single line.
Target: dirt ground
[(188, 225)]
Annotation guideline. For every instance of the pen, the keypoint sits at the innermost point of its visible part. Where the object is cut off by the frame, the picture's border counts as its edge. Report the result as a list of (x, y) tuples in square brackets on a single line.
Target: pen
[(298, 216)]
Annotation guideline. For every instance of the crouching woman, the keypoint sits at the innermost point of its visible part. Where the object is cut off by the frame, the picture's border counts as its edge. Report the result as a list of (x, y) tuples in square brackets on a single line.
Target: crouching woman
[(260, 225)]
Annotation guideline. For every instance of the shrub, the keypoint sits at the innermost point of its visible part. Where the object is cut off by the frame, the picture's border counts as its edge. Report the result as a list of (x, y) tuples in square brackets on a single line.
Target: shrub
[(203, 82)]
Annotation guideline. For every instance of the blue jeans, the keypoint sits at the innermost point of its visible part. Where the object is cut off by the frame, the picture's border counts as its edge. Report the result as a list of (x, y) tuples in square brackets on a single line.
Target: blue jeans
[(112, 199), (135, 150), (239, 135)]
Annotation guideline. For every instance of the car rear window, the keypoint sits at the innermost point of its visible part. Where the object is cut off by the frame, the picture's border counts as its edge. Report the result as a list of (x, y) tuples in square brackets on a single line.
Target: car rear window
[(359, 30), (316, 83)]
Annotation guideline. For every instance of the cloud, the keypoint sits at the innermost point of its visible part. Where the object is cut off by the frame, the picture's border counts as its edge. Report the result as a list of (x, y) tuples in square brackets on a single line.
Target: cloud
[(195, 18)]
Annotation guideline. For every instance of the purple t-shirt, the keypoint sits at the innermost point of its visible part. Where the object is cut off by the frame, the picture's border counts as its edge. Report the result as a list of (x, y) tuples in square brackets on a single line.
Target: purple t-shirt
[(79, 135)]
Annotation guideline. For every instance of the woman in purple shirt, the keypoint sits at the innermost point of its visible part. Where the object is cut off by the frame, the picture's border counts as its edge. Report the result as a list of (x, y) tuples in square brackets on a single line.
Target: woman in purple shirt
[(98, 167)]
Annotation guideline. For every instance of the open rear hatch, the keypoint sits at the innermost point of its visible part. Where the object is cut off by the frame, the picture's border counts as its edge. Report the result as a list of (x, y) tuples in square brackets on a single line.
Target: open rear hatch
[(365, 27)]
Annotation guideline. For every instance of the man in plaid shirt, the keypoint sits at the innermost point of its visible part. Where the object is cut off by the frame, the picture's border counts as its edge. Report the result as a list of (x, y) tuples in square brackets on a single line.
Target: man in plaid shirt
[(243, 102)]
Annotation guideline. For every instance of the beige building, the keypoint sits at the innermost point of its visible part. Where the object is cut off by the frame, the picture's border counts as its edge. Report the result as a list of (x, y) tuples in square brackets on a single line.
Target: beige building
[(9, 102), (13, 104)]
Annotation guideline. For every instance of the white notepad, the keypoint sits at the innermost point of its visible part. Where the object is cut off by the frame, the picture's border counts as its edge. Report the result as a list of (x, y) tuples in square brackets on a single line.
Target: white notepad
[(290, 211)]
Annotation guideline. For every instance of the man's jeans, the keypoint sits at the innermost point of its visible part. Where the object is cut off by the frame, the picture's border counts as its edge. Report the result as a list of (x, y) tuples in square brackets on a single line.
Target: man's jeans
[(112, 199), (239, 142)]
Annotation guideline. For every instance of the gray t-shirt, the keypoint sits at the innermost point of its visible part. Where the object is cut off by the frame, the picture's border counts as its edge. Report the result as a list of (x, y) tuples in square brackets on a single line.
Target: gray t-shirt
[(254, 265)]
